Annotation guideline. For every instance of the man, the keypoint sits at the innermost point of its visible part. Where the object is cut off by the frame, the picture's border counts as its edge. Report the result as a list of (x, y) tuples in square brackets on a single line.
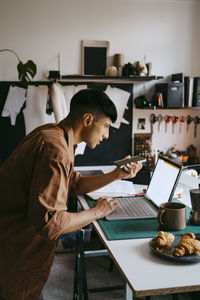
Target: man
[(35, 182)]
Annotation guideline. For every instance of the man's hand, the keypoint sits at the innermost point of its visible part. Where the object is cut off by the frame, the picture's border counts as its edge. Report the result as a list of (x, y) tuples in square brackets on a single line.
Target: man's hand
[(104, 206), (130, 170)]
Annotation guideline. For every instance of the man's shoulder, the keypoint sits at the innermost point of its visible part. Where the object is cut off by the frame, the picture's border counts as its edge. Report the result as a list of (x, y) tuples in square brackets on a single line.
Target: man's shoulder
[(51, 131), (54, 142)]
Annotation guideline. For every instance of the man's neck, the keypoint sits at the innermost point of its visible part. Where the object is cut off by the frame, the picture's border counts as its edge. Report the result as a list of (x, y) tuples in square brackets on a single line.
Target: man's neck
[(76, 127)]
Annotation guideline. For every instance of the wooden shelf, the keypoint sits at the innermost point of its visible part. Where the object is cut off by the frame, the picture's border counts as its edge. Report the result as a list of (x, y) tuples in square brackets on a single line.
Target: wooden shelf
[(162, 108), (114, 79), (87, 79)]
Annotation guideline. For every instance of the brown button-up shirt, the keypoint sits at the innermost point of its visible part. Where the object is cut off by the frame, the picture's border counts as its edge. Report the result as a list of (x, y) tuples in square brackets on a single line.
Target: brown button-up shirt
[(34, 185)]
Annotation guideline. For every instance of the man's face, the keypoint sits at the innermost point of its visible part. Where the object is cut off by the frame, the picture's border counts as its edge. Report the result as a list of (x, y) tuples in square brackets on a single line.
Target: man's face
[(97, 131)]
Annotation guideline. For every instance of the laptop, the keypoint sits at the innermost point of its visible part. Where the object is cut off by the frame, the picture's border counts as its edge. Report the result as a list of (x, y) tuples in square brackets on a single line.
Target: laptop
[(161, 189)]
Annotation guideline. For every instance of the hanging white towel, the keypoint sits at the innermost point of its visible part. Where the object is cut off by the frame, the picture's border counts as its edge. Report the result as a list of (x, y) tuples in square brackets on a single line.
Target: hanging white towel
[(81, 147), (58, 102), (14, 102), (79, 88), (70, 91), (120, 99), (35, 111)]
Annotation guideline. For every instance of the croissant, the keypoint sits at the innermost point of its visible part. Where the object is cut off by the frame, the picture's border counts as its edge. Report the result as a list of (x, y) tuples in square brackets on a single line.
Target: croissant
[(187, 245), (162, 239), (188, 235)]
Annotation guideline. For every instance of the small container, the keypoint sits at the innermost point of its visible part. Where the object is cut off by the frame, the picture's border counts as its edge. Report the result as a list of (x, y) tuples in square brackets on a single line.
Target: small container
[(195, 217), (195, 199)]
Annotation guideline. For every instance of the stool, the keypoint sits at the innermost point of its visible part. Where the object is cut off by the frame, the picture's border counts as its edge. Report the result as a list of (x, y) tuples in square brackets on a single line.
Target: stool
[(80, 289)]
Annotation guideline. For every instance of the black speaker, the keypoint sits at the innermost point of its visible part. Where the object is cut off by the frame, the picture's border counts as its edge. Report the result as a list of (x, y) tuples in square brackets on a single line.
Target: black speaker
[(172, 93), (196, 92)]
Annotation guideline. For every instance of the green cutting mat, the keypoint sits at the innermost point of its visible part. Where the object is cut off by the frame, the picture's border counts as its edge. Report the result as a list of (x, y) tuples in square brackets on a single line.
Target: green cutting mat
[(136, 229)]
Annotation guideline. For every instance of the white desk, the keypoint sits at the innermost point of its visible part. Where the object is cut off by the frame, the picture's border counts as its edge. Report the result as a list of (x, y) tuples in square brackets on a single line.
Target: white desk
[(145, 273)]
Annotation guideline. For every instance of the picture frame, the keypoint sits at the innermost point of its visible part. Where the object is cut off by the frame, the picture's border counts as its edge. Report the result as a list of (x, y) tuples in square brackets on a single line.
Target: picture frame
[(141, 124), (94, 56)]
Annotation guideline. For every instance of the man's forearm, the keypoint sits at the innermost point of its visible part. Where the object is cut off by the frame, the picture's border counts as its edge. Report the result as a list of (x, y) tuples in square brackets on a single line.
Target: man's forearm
[(101, 208), (91, 183), (79, 219)]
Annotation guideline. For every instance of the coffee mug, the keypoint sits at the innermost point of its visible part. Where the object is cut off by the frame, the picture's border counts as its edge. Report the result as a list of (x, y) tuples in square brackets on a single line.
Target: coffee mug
[(172, 216)]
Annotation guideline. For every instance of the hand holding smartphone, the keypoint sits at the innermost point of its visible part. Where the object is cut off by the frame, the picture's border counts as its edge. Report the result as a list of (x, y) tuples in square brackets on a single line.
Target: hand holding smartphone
[(122, 162)]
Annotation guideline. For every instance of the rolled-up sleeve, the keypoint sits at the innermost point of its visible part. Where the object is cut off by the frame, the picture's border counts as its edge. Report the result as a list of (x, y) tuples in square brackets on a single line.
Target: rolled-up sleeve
[(49, 191)]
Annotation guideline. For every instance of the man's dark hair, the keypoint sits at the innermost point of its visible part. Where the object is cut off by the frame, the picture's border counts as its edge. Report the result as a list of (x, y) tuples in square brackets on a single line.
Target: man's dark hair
[(92, 101)]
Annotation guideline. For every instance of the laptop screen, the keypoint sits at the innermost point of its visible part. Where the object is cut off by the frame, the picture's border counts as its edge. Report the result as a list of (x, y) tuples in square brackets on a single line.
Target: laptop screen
[(163, 181)]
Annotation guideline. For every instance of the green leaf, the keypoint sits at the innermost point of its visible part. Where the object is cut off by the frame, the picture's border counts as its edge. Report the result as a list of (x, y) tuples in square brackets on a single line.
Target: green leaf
[(26, 71)]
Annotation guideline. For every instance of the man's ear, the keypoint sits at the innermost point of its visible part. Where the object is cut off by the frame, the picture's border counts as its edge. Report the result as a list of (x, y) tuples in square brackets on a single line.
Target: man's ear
[(87, 119)]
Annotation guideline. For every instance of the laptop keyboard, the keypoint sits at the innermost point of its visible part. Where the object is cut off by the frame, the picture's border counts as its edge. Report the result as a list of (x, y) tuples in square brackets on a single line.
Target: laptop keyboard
[(135, 206)]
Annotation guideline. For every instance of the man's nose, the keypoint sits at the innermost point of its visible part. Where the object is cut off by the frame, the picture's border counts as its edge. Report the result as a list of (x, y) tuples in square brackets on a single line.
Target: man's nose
[(106, 135)]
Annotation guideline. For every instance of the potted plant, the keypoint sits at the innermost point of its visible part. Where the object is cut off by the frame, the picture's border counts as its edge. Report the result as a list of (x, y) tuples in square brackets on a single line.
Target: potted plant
[(26, 71)]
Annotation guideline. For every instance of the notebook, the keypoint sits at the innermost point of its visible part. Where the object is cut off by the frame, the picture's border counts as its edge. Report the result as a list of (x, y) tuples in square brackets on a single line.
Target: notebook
[(161, 189)]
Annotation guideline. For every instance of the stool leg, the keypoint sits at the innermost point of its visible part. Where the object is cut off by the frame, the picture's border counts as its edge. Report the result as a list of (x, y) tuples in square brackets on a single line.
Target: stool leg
[(83, 267), (76, 270), (80, 282)]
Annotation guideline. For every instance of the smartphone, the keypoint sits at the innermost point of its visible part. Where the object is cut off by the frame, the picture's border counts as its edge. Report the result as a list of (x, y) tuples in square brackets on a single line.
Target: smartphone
[(122, 162)]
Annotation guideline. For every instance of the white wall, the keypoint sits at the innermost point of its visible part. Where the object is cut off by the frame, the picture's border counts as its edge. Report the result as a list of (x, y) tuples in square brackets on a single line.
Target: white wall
[(166, 31), (162, 140)]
